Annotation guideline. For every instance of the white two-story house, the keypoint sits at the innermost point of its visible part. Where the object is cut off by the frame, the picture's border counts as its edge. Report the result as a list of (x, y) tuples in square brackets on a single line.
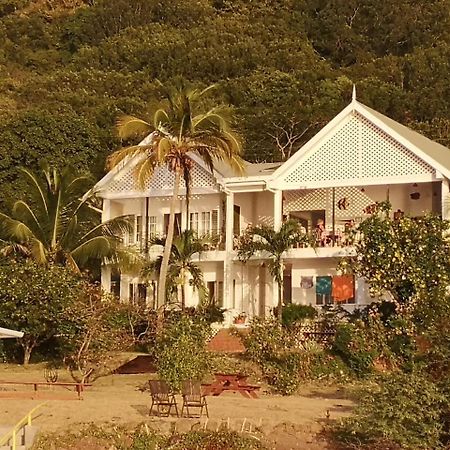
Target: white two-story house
[(359, 158)]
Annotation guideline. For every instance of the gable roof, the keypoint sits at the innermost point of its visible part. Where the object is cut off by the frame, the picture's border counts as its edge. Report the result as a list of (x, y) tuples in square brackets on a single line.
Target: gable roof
[(437, 152), (435, 155)]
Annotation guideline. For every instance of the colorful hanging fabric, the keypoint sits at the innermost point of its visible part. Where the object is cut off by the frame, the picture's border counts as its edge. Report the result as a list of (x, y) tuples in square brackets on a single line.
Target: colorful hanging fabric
[(343, 287), (306, 282), (323, 285)]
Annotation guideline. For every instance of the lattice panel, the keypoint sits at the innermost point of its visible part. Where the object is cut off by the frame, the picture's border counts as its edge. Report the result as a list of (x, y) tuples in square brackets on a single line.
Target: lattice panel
[(383, 156), (308, 200), (162, 179), (359, 149), (335, 160)]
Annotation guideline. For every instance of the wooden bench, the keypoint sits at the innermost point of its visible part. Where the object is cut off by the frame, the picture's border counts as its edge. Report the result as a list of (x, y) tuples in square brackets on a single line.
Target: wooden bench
[(78, 387)]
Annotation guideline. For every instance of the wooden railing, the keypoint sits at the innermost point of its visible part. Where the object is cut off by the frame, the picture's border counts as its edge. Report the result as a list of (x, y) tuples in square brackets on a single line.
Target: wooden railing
[(11, 436)]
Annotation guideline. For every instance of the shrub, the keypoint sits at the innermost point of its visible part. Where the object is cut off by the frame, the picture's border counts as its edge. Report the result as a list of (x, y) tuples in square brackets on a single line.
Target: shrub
[(352, 345), (295, 314), (144, 438), (181, 350), (402, 409), (269, 345)]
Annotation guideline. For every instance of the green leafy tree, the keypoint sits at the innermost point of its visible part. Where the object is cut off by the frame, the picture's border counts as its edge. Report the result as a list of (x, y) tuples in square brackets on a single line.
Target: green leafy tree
[(34, 299), (183, 271), (59, 225), (405, 258), (181, 350), (272, 245), (94, 328), (179, 130)]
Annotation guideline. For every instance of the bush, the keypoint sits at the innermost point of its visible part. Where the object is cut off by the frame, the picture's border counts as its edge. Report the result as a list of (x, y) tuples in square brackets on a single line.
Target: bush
[(402, 409), (354, 347), (181, 350), (294, 314), (144, 438)]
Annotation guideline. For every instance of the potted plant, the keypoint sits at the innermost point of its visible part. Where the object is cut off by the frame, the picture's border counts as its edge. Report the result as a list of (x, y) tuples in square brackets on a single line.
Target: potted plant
[(240, 318)]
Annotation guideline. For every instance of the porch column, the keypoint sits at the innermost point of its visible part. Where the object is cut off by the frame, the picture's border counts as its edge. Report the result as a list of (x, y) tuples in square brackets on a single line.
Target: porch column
[(228, 260), (106, 270), (277, 209), (277, 221), (445, 200)]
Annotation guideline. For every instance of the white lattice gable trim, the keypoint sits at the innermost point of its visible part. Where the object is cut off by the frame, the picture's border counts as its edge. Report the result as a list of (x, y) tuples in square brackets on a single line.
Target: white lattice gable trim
[(352, 149), (124, 183)]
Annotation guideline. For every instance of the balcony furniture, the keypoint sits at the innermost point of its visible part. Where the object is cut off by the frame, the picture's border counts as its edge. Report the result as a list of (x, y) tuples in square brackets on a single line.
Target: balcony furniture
[(234, 382), (193, 397), (162, 398)]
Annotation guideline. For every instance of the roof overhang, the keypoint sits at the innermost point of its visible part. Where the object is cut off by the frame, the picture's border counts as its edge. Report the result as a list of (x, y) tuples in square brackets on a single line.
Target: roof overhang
[(5, 333)]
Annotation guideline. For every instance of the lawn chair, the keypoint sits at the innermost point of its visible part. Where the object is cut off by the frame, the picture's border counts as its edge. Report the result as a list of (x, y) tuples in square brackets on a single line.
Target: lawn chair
[(162, 398), (193, 398)]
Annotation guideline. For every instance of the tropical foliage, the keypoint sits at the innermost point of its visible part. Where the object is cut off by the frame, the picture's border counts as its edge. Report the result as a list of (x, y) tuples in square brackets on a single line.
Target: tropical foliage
[(404, 257), (273, 245), (95, 327), (183, 271), (60, 224), (73, 66), (35, 298), (181, 129), (181, 350)]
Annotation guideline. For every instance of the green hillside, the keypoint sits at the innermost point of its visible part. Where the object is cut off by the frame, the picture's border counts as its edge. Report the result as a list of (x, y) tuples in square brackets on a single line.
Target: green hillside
[(69, 67)]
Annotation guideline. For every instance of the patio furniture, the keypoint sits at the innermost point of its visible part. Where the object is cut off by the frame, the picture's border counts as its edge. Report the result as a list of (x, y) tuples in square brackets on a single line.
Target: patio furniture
[(234, 382), (193, 397), (162, 398)]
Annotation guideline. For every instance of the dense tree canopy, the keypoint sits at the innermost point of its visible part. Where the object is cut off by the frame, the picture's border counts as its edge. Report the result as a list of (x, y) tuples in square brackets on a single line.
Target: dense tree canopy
[(73, 66)]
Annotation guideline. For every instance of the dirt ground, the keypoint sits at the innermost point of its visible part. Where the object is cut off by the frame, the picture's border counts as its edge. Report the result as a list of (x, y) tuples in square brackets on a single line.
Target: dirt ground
[(293, 422)]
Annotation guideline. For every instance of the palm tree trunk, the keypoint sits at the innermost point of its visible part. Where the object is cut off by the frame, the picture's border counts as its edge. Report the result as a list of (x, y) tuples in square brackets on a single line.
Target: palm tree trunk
[(280, 282), (183, 296), (168, 245)]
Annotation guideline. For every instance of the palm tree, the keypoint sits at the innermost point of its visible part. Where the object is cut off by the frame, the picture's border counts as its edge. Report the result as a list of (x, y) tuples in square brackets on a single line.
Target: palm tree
[(60, 225), (177, 133), (274, 244), (182, 270)]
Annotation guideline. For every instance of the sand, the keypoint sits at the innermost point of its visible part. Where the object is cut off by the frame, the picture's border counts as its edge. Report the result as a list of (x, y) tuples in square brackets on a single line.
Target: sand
[(290, 422)]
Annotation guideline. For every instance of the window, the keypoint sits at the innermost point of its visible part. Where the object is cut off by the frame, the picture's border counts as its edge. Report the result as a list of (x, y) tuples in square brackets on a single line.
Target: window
[(215, 222), (220, 293), (206, 222), (193, 222), (152, 227), (138, 229)]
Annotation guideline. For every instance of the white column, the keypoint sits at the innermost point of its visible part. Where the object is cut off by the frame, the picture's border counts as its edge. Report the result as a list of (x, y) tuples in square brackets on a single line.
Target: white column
[(277, 221), (277, 209), (445, 199), (228, 260), (229, 220), (106, 270)]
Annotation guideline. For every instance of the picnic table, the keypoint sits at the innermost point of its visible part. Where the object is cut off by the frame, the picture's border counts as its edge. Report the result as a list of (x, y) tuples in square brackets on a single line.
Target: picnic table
[(78, 387), (234, 382)]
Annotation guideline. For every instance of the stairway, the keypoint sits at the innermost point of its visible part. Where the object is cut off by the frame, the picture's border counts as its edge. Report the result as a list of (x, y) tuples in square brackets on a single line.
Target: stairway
[(24, 440)]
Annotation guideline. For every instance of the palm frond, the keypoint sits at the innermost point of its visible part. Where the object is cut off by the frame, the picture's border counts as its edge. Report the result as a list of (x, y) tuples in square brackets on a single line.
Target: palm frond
[(40, 189), (123, 155), (23, 212), (11, 229), (130, 126)]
